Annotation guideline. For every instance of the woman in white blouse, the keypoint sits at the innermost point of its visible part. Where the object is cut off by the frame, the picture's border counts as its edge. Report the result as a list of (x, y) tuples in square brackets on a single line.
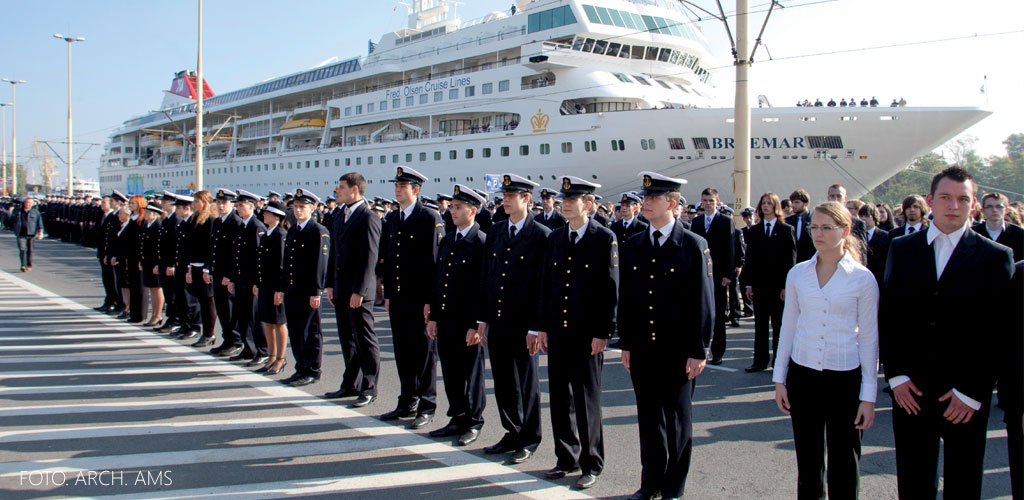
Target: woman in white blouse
[(827, 364)]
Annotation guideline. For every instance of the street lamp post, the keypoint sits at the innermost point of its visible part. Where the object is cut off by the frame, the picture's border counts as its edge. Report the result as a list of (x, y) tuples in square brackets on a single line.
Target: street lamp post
[(3, 144), (199, 103), (14, 132), (69, 39)]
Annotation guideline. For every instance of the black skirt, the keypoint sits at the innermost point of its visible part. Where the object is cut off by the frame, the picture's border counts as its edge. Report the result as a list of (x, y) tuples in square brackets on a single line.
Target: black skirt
[(267, 311), (150, 280), (121, 275), (199, 288)]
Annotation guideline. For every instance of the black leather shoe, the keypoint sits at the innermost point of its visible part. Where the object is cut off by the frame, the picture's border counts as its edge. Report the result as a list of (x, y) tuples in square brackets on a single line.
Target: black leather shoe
[(188, 334), (257, 361), (134, 321), (123, 315), (468, 437), (301, 381), (116, 311), (364, 401), (735, 323), (753, 369), (292, 378), (585, 481), (341, 393), (174, 330), (240, 357), (103, 308), (716, 361), (558, 473), (203, 342), (421, 420), (448, 430), (499, 447), (521, 455), (644, 495), (398, 413), (234, 350)]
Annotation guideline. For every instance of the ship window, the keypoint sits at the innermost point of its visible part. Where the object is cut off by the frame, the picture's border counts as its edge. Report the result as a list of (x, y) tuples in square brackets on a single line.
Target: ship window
[(624, 52), (642, 80), (424, 98), (348, 162), (603, 14), (650, 24), (622, 77), (348, 111), (369, 107), (503, 86), (663, 84), (394, 159), (616, 18), (613, 49), (408, 158), (637, 21), (600, 46), (524, 150), (438, 96), (383, 106), (650, 144), (487, 88), (470, 91), (383, 159), (469, 154), (504, 151), (676, 143), (665, 55), (369, 160), (487, 152), (453, 94), (545, 149), (577, 43), (410, 100), (307, 163), (643, 144), (336, 163), (615, 145), (588, 46), (316, 164), (591, 14), (453, 155), (359, 109), (423, 156), (652, 54), (701, 143), (638, 51), (567, 147), (359, 160)]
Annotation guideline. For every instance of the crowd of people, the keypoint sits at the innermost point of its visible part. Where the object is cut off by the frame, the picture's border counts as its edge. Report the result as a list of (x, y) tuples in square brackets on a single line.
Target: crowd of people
[(840, 292), (843, 103)]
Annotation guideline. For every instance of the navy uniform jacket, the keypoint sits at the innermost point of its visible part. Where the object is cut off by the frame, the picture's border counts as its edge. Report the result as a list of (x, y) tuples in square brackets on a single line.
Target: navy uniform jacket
[(483, 217), (305, 259), (246, 245), (449, 224), (271, 261), (556, 220), (222, 241), (1012, 237), (149, 247), (769, 259), (167, 249), (513, 278), (667, 300), (878, 251), (580, 289), (804, 245), (605, 221), (458, 277), (409, 253), (924, 322), (196, 241), (721, 243), (107, 236), (353, 255), (622, 233), (740, 247)]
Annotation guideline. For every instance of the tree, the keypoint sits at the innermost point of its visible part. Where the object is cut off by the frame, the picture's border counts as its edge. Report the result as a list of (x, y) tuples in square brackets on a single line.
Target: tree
[(1015, 146)]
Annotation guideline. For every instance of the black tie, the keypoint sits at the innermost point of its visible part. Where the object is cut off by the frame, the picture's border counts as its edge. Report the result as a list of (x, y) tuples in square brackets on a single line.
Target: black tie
[(572, 237), (767, 229), (401, 216), (910, 229), (511, 231), (458, 238), (657, 238)]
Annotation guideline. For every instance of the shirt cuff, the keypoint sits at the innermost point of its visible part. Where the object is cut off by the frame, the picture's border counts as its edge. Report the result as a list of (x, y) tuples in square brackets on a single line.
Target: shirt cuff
[(967, 401), (898, 380), (868, 392), (484, 323), (535, 332)]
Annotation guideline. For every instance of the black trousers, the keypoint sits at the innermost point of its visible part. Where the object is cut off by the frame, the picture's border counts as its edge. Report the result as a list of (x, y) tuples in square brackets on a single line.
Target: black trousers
[(463, 369), (516, 385), (186, 305), (735, 300), (135, 292), (664, 403), (247, 330), (767, 310), (1015, 448), (111, 297), (204, 296), (574, 380), (415, 355), (721, 315), (917, 450), (25, 250), (223, 303), (359, 347), (167, 285), (304, 334), (823, 408)]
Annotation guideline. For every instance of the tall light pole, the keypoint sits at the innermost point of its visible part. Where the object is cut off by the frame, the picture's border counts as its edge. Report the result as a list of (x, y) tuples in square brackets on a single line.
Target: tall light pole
[(3, 143), (14, 132), (741, 168), (69, 39), (199, 104)]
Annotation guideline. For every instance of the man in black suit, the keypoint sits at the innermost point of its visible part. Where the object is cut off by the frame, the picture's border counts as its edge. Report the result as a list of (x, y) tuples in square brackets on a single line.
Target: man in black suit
[(717, 230), (444, 203), (1011, 381), (166, 241), (222, 256), (596, 215), (305, 270), (578, 298), (837, 192), (461, 259), (995, 227), (739, 258), (484, 216), (352, 288), (666, 316), (878, 241), (28, 226), (509, 309), (771, 252), (931, 278), (550, 217), (104, 239), (800, 201), (628, 223), (914, 210), (247, 333), (408, 252)]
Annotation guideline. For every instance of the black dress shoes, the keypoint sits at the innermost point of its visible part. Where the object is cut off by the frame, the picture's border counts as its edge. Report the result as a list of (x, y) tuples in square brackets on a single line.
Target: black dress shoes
[(448, 430), (341, 393), (239, 357), (103, 308), (257, 361), (123, 315), (203, 342), (291, 379), (645, 495), (468, 437), (499, 447), (301, 381), (753, 369), (716, 361), (398, 413), (735, 323), (585, 481), (559, 473), (421, 420), (521, 455), (364, 401), (188, 334), (115, 311), (173, 330)]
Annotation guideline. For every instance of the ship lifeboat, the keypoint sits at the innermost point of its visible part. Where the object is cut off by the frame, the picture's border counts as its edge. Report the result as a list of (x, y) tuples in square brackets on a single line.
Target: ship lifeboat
[(303, 128), (171, 147), (149, 141)]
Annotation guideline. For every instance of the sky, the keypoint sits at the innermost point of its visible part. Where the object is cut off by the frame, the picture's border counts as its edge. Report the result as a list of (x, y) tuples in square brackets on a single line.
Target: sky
[(133, 49)]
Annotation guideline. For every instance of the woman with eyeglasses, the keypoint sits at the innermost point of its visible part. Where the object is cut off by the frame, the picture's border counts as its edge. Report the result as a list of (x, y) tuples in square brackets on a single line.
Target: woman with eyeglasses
[(825, 374)]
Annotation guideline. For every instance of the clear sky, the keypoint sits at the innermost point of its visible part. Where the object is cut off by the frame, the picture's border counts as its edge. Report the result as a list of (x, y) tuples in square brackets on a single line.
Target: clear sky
[(133, 48)]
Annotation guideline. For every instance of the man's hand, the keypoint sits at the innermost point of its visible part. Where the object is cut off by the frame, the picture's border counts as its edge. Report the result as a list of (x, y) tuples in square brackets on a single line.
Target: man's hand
[(694, 367), (725, 282), (39, 236), (255, 291), (355, 301), (330, 294), (314, 302), (207, 278), (387, 306), (169, 272), (225, 282), (230, 286), (957, 412), (625, 360), (188, 277), (426, 313), (750, 294), (597, 346), (865, 416), (278, 298), (904, 396), (432, 330), (476, 336), (782, 398), (156, 270), (532, 343)]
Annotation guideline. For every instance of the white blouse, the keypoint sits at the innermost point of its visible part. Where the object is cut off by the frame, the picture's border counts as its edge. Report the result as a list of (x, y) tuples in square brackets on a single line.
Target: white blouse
[(834, 327)]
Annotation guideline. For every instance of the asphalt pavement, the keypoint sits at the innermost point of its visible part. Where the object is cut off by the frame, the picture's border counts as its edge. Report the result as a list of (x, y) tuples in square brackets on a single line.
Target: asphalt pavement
[(93, 407)]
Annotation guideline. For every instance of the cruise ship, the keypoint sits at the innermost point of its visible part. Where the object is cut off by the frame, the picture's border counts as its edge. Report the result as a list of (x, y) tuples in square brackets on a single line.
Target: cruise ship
[(598, 89)]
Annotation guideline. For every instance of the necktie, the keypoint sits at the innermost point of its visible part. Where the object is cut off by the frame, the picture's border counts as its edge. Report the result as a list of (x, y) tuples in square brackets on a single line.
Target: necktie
[(943, 251), (572, 237), (767, 229), (799, 226), (401, 216), (910, 229), (458, 238), (657, 238), (511, 231), (707, 224)]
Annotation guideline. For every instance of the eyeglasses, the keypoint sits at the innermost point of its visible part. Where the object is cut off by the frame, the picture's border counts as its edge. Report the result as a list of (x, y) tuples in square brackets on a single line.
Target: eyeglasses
[(825, 229)]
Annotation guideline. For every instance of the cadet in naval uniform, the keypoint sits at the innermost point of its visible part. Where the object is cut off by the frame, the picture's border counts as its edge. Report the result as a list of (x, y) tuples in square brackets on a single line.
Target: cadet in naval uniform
[(458, 274), (577, 298), (510, 309), (166, 240), (444, 204), (550, 217), (112, 303), (666, 315), (222, 263), (246, 331), (305, 269), (408, 251), (628, 223)]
